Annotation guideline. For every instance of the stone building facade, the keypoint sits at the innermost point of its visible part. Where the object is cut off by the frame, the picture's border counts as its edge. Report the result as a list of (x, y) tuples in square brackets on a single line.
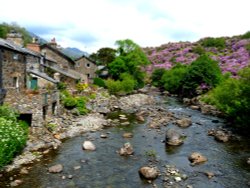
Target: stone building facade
[(16, 69), (86, 66)]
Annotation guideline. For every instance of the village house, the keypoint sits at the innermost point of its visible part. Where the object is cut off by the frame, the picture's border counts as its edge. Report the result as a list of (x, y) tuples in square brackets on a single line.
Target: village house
[(87, 67), (58, 65), (24, 86)]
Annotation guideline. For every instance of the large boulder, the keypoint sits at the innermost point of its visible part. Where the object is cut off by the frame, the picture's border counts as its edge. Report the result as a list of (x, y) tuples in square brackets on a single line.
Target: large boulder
[(149, 173), (56, 168), (88, 145), (197, 158), (127, 149), (173, 138), (184, 122)]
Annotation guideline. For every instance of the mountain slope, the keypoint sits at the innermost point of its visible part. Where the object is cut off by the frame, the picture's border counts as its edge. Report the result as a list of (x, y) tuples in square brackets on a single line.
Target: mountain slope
[(74, 53)]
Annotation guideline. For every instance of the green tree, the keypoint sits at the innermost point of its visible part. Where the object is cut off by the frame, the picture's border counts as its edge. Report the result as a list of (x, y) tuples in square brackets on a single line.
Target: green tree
[(104, 56), (130, 58)]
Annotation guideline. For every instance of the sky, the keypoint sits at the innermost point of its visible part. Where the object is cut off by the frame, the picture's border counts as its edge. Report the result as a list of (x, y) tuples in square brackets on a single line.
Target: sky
[(93, 24)]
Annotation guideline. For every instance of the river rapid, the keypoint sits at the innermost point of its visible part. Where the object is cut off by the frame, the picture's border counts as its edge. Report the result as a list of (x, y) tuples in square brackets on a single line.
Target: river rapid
[(105, 168)]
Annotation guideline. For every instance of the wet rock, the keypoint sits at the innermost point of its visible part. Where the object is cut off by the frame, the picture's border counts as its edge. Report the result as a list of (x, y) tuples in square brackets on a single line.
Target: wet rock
[(193, 107), (16, 183), (104, 136), (173, 138), (221, 136), (209, 174), (77, 167), (197, 158), (127, 135), (127, 149), (140, 118), (125, 123), (248, 161), (149, 173), (56, 168), (177, 179), (88, 145), (184, 122), (70, 176)]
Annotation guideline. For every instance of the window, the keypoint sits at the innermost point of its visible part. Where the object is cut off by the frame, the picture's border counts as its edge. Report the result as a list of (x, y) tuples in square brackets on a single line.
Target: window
[(88, 65), (15, 56), (15, 82), (88, 75)]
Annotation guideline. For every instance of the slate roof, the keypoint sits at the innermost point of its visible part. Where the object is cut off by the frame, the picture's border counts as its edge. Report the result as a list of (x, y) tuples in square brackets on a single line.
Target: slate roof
[(42, 75)]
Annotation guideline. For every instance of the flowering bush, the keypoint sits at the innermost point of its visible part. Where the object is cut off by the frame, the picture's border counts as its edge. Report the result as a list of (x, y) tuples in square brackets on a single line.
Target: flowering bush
[(13, 137), (81, 87)]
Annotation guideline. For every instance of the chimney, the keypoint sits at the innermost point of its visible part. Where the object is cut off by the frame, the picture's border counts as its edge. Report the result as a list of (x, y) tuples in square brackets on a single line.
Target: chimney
[(53, 43), (15, 37), (34, 46)]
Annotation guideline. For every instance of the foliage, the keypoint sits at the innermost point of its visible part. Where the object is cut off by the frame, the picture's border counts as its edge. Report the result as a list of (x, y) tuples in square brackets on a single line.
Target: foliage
[(81, 105), (113, 86), (204, 72), (173, 79), (8, 113), (198, 50), (69, 102), (130, 58), (233, 98), (214, 42), (99, 82), (246, 35), (5, 28), (156, 77), (13, 135), (61, 86), (81, 86), (103, 56)]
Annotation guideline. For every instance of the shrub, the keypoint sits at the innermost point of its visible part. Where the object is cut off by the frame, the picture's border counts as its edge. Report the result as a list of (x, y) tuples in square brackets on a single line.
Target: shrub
[(233, 98), (199, 50), (128, 85), (113, 86), (13, 136), (173, 78), (203, 71), (69, 102), (81, 87), (99, 82), (246, 35), (156, 77), (8, 113), (61, 86), (214, 42), (81, 105)]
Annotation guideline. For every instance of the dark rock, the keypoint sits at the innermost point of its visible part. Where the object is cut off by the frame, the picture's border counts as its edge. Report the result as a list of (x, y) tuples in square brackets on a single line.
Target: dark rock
[(184, 122)]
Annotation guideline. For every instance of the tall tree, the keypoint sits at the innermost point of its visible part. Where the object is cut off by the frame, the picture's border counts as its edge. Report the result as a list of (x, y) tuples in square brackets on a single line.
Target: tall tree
[(104, 56), (130, 58)]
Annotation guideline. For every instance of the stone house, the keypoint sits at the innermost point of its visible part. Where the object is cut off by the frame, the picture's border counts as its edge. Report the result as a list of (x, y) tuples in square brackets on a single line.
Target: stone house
[(57, 64), (19, 68), (86, 66)]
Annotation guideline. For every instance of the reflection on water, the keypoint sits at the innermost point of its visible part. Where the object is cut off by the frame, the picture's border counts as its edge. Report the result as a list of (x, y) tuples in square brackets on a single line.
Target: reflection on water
[(105, 168)]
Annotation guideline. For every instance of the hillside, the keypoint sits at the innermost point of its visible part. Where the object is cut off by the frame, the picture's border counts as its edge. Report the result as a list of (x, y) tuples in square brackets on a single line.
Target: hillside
[(74, 53), (232, 53)]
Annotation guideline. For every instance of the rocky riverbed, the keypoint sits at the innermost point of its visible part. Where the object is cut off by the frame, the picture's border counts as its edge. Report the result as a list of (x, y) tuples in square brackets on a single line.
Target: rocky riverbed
[(138, 145)]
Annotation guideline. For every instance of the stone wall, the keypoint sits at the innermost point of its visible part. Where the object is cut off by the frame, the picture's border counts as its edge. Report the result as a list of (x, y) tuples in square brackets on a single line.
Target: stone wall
[(13, 70), (86, 67), (41, 105)]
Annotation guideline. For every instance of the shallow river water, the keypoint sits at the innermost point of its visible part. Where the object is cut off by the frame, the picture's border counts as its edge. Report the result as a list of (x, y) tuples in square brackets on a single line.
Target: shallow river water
[(105, 168)]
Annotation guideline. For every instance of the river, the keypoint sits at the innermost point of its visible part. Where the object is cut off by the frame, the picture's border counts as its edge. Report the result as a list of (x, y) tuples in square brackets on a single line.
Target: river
[(105, 168)]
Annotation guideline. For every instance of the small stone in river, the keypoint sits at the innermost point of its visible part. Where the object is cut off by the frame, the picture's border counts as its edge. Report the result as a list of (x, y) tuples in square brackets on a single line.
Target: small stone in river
[(209, 174), (77, 167), (189, 186), (125, 123), (184, 176), (177, 179), (88, 145), (127, 149), (63, 177), (56, 168), (104, 136), (248, 161), (70, 176), (127, 135), (197, 158), (149, 173)]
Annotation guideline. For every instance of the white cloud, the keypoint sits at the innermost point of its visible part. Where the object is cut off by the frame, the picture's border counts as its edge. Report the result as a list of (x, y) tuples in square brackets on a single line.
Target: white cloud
[(90, 25)]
